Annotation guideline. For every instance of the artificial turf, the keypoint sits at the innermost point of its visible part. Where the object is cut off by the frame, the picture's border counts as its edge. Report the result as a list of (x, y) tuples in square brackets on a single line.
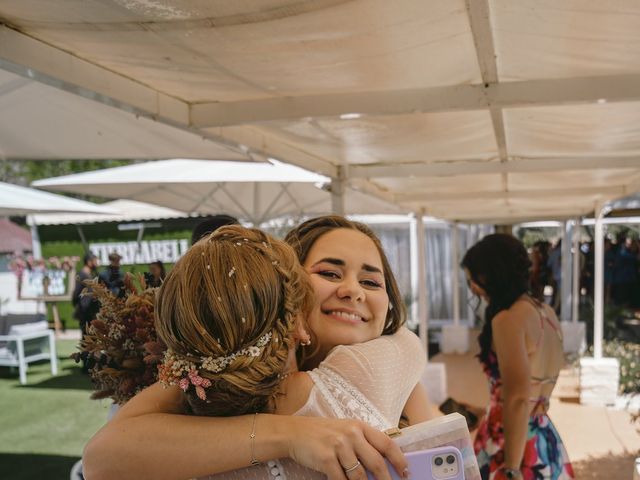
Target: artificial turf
[(45, 423)]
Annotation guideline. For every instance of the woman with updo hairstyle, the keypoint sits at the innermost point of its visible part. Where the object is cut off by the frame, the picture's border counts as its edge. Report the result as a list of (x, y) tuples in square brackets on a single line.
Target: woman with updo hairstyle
[(235, 290), (236, 317), (521, 353)]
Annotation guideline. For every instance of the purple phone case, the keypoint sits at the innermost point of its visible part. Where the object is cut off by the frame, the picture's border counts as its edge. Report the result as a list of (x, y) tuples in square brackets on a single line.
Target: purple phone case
[(421, 464)]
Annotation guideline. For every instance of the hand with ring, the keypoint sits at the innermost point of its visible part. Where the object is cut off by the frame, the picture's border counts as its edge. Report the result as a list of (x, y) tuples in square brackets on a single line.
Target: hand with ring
[(344, 449), (348, 470)]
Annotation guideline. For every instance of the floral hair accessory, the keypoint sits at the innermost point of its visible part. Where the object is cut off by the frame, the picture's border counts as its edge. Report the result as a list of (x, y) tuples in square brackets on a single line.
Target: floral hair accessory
[(179, 371)]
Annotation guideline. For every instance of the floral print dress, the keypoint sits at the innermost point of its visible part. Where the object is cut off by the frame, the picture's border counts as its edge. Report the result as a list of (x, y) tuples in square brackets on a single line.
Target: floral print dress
[(544, 455)]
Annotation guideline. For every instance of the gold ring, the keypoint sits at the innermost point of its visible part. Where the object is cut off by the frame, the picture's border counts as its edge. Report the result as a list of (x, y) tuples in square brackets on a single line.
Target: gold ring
[(352, 468)]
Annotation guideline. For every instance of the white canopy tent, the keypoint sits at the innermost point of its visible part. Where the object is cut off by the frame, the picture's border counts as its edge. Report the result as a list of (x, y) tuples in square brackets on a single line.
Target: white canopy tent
[(469, 110), (479, 110), (127, 211), (16, 201), (255, 192)]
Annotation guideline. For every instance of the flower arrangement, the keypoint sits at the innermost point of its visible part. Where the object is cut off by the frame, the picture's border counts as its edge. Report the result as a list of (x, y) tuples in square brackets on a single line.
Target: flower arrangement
[(121, 348)]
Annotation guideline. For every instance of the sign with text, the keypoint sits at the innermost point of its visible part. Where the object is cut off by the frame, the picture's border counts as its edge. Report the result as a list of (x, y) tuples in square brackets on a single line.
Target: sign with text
[(40, 283), (145, 252)]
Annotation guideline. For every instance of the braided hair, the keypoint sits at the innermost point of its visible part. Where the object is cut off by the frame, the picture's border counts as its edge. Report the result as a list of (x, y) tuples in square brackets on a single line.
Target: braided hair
[(231, 289), (500, 265)]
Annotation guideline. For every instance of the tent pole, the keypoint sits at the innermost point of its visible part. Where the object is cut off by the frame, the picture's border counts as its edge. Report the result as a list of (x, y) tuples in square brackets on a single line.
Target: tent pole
[(140, 234), (598, 294), (413, 255), (255, 217), (337, 192), (35, 239), (423, 314), (455, 286), (472, 235), (575, 294), (85, 245), (565, 275)]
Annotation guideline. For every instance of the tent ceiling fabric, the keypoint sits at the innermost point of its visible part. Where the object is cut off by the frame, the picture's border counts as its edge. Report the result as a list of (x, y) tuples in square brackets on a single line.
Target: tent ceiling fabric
[(476, 109), (40, 121)]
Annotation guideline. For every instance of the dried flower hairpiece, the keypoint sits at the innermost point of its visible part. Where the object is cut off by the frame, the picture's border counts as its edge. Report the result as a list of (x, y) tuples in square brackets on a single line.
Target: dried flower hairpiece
[(176, 370)]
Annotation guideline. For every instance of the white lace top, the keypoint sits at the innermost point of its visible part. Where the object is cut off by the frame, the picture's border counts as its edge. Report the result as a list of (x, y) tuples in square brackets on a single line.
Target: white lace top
[(368, 381)]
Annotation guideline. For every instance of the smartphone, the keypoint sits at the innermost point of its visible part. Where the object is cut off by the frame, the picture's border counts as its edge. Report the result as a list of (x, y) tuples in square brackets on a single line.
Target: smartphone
[(441, 463)]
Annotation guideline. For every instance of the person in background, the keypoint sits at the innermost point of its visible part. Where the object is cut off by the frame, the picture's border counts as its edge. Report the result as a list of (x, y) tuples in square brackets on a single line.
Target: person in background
[(112, 277), (85, 307), (625, 273), (156, 274), (521, 353), (554, 262), (210, 225), (539, 270), (609, 268)]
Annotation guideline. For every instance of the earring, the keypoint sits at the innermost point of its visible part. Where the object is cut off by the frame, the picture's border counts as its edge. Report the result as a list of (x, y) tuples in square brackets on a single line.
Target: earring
[(390, 306), (307, 343)]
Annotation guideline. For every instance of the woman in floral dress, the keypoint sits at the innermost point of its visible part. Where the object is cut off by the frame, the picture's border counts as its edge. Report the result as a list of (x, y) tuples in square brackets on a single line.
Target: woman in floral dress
[(521, 353)]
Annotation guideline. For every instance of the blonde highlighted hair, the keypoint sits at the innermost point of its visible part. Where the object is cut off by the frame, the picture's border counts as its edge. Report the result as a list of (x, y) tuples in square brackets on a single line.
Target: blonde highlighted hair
[(227, 292)]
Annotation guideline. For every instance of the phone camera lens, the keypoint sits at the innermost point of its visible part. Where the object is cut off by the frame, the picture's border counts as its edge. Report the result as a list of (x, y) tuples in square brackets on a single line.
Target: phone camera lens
[(438, 461), (450, 459)]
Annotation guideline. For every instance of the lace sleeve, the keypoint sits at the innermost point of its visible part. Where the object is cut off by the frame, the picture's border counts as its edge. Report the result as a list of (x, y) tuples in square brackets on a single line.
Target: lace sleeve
[(384, 370)]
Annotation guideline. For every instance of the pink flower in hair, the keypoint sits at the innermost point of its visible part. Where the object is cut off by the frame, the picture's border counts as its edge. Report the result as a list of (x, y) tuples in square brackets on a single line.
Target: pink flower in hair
[(184, 384), (195, 378)]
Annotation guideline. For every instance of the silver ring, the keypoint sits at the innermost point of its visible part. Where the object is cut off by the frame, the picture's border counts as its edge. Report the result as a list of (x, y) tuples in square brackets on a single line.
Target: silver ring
[(352, 468)]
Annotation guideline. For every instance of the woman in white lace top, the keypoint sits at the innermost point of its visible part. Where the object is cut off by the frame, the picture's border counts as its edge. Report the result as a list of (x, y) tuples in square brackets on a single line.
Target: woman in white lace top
[(369, 379)]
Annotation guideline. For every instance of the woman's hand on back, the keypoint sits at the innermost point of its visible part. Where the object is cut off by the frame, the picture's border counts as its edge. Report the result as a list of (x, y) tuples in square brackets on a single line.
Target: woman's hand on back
[(331, 446)]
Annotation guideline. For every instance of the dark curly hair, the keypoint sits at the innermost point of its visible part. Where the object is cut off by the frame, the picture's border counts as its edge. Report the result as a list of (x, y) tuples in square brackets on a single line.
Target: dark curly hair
[(499, 264)]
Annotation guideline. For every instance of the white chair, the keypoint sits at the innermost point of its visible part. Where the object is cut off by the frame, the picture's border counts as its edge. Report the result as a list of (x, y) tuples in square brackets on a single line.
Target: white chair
[(28, 343), (76, 471)]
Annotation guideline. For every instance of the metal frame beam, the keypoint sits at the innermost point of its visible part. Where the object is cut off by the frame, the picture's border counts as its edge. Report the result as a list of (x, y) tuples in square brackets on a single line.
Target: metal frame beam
[(529, 93), (510, 217), (484, 166), (455, 197)]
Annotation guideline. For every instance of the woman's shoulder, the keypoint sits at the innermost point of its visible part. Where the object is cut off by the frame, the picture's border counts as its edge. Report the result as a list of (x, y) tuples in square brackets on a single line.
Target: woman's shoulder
[(403, 339), (519, 314), (378, 358)]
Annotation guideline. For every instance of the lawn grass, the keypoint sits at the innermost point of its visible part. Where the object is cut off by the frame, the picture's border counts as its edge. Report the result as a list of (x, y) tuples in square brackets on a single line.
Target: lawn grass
[(45, 424)]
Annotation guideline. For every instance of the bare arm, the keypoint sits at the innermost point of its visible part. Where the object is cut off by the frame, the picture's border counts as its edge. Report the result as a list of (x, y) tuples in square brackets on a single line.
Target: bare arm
[(418, 407), (150, 439), (511, 348)]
